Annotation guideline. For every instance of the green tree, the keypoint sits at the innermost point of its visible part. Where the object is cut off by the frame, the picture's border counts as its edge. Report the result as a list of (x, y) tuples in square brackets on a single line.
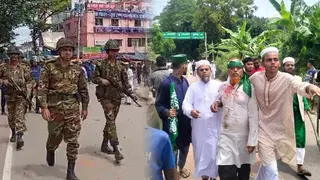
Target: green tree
[(164, 47), (177, 16), (212, 15), (38, 12), (300, 26), (10, 13)]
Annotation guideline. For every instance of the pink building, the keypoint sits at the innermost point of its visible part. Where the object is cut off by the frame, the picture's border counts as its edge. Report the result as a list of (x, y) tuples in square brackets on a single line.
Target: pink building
[(126, 22)]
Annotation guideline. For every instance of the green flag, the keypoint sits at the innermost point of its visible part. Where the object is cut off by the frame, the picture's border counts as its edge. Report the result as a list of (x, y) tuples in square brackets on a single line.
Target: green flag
[(173, 121)]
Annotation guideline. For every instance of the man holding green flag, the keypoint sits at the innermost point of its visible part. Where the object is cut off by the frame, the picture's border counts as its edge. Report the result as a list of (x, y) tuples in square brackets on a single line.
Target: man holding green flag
[(169, 100)]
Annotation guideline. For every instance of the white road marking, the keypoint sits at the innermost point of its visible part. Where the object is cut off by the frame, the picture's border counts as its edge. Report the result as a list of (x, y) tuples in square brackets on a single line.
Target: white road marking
[(8, 162)]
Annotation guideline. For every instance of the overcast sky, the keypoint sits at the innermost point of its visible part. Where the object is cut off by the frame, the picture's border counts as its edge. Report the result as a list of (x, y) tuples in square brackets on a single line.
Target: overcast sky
[(265, 9)]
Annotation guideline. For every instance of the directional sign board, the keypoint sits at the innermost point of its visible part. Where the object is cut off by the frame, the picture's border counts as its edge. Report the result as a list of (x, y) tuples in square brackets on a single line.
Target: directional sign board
[(169, 35), (183, 35), (197, 35)]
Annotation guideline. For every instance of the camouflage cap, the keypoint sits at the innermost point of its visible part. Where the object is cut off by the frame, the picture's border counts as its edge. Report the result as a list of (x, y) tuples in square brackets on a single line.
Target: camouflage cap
[(179, 59), (13, 50), (64, 42), (112, 44)]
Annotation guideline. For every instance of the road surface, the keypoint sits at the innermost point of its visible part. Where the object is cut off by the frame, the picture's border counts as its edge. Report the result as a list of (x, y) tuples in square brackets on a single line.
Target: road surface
[(30, 163)]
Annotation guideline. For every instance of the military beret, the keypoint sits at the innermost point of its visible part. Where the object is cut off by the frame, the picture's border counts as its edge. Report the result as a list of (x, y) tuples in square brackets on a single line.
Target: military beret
[(179, 59)]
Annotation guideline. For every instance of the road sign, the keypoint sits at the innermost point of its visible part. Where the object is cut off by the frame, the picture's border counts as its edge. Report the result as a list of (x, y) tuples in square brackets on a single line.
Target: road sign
[(183, 35), (169, 35), (197, 35)]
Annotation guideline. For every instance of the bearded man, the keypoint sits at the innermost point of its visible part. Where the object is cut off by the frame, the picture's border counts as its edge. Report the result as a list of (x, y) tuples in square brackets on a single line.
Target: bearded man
[(300, 104), (205, 124), (274, 92), (239, 131)]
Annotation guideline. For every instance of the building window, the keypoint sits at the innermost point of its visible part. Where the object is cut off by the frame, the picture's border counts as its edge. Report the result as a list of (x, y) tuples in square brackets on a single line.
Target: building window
[(136, 42), (68, 26), (98, 21), (137, 23), (120, 42), (114, 22)]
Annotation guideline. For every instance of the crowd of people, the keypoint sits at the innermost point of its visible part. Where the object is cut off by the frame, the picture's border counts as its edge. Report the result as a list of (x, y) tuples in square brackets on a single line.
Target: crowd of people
[(260, 108)]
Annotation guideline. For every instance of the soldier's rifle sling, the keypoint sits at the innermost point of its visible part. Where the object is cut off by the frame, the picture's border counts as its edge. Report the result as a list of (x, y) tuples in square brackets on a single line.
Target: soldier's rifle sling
[(116, 85), (17, 87)]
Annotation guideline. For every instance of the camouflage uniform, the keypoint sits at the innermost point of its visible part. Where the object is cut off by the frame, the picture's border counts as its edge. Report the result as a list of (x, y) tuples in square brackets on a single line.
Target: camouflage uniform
[(60, 91), (110, 97), (16, 102), (62, 97)]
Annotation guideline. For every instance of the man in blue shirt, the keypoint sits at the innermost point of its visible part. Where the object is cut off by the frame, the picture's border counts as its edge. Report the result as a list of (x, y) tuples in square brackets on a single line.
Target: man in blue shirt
[(159, 155), (35, 72), (310, 75), (163, 106)]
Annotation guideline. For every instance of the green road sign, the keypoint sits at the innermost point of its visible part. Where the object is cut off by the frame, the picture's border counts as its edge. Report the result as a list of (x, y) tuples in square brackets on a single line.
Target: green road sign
[(183, 35), (197, 35), (169, 35)]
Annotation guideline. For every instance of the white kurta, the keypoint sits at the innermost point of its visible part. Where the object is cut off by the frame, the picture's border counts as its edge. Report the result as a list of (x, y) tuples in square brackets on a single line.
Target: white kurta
[(205, 130), (239, 127), (130, 79), (276, 127)]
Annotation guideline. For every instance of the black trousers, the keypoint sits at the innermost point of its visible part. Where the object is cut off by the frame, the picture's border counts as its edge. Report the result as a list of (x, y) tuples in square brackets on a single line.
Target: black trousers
[(231, 172)]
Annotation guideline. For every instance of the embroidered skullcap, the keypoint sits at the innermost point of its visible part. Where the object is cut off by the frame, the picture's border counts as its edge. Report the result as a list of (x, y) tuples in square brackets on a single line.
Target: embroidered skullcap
[(288, 59), (202, 62), (268, 50)]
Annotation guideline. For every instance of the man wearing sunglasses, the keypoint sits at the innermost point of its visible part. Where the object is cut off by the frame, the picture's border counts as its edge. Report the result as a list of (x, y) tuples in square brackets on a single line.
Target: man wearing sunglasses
[(16, 102)]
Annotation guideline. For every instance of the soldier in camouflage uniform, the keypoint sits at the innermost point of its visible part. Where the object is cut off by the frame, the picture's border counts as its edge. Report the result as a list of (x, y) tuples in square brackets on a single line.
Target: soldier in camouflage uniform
[(62, 86), (109, 96), (16, 101)]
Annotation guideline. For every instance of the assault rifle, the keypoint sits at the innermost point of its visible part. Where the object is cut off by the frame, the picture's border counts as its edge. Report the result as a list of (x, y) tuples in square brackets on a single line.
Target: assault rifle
[(124, 91), (17, 87)]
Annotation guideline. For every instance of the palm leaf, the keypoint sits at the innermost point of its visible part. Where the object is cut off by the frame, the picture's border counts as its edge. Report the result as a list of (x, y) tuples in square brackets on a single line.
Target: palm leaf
[(276, 5), (243, 29)]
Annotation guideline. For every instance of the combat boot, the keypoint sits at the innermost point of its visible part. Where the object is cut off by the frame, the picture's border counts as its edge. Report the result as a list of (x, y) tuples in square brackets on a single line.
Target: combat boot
[(13, 135), (20, 142), (50, 158), (117, 155), (70, 172), (105, 147)]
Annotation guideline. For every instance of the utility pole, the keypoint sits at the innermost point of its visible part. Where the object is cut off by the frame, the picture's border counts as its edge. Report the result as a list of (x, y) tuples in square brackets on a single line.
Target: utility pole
[(79, 12), (205, 44)]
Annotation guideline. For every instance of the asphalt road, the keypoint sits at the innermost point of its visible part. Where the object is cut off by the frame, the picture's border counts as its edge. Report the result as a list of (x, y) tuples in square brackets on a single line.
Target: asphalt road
[(30, 163)]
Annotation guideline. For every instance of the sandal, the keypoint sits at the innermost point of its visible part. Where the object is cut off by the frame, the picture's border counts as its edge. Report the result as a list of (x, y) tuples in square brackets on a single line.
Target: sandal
[(304, 172), (184, 173)]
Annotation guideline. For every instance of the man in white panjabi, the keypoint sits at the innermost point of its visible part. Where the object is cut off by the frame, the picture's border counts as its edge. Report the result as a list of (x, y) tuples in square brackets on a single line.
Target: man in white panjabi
[(274, 92), (239, 130), (205, 124), (130, 79)]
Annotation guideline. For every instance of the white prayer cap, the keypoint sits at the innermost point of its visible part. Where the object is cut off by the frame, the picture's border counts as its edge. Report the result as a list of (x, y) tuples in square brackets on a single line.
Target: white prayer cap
[(268, 50), (202, 62), (288, 59)]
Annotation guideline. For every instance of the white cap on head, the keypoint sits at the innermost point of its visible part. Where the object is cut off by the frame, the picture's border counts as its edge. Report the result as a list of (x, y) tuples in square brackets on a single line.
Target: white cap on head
[(268, 50), (201, 63), (288, 59)]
